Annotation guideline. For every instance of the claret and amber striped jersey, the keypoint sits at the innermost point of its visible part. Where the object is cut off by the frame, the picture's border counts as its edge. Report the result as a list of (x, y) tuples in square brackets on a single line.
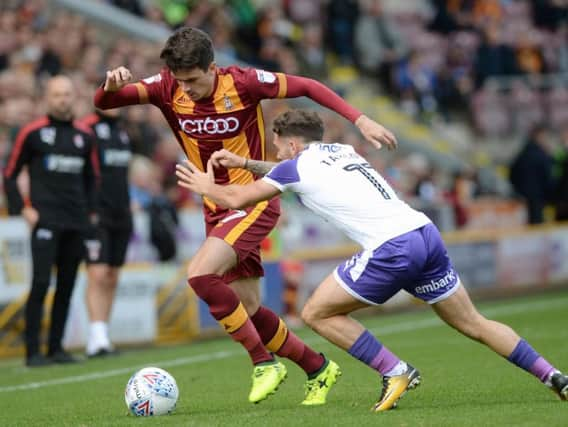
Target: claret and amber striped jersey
[(230, 118)]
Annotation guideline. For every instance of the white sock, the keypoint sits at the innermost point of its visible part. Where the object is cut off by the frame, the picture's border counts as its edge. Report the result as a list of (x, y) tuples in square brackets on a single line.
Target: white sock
[(399, 369), (98, 337)]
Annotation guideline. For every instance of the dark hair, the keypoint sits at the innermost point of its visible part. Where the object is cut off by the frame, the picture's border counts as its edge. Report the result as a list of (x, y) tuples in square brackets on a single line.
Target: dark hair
[(188, 48), (302, 123)]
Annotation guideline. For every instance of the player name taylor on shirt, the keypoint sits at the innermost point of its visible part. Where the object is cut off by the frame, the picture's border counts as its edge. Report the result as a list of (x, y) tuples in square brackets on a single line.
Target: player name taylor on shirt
[(340, 185)]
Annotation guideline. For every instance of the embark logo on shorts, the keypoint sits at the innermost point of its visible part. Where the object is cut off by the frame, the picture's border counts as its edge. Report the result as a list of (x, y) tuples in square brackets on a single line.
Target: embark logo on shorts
[(434, 285)]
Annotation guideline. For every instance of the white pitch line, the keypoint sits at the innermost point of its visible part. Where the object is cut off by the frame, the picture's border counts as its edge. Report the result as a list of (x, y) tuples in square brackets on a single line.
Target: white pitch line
[(503, 310), (114, 372)]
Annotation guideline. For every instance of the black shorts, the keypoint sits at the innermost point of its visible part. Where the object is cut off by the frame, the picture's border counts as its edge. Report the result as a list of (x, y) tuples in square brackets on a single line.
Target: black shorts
[(105, 245)]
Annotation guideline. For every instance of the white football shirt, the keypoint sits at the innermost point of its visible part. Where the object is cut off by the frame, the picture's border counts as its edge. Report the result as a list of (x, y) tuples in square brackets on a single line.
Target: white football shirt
[(340, 185)]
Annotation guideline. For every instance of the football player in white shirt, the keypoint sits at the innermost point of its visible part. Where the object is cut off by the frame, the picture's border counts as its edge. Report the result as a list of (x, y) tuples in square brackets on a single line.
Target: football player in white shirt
[(401, 250)]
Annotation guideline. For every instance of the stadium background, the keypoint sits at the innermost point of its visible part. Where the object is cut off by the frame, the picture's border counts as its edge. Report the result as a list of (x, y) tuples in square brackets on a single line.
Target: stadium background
[(424, 69)]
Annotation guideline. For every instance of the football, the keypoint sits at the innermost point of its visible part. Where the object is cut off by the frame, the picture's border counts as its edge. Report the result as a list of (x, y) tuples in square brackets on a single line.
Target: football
[(151, 391)]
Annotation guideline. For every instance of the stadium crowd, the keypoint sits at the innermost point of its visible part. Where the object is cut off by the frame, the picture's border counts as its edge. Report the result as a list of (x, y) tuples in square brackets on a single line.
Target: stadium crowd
[(434, 57)]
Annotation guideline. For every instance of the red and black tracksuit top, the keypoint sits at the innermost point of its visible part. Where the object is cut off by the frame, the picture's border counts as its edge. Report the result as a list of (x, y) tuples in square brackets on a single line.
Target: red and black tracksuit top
[(63, 167)]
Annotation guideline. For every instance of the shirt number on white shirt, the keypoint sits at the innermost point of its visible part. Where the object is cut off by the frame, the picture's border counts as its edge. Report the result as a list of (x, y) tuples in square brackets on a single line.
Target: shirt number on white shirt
[(362, 169)]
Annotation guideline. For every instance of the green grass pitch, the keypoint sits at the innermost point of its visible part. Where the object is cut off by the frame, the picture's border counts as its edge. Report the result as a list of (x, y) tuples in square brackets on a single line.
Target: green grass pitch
[(464, 384)]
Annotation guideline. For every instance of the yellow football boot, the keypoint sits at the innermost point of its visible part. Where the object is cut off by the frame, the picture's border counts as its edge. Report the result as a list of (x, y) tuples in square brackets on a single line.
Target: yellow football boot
[(395, 387), (265, 380), (317, 388)]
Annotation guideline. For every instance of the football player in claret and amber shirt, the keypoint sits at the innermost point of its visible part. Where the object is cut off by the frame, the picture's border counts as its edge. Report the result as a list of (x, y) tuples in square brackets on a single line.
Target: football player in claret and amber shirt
[(210, 108)]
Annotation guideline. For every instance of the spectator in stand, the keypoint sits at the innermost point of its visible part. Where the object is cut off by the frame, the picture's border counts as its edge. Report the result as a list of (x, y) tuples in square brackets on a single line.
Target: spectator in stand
[(341, 18), (550, 14), (144, 178), (486, 12), (444, 20), (454, 83), (426, 189), (415, 80), (558, 49), (143, 136), (529, 56), (531, 173), (163, 220), (561, 193), (304, 12), (452, 15), (311, 53), (269, 54), (493, 58), (378, 44), (288, 62), (463, 190)]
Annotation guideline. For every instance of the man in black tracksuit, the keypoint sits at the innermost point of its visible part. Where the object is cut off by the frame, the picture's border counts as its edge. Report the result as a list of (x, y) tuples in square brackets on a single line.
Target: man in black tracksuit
[(63, 170), (108, 241), (531, 173)]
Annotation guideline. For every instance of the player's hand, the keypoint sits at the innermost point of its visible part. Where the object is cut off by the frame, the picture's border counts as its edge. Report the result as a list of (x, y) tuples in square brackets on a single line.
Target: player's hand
[(116, 79), (30, 215), (190, 177), (375, 133), (224, 158)]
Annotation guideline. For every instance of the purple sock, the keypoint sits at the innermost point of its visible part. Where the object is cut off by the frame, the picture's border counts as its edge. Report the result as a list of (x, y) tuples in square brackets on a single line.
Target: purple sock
[(372, 353), (524, 356)]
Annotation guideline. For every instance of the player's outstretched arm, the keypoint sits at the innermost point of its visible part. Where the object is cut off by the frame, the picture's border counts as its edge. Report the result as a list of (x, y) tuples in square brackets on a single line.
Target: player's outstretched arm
[(231, 196), (225, 158), (373, 132), (118, 90)]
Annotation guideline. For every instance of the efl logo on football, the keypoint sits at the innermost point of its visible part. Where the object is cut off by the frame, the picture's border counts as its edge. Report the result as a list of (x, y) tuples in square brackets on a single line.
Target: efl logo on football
[(209, 126)]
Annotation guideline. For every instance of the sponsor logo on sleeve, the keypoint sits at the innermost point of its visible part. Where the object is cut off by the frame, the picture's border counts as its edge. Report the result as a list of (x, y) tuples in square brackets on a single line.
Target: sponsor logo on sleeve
[(265, 76), (153, 79)]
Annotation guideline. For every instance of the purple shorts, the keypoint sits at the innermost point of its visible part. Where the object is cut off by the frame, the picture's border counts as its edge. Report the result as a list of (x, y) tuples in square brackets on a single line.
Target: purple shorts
[(416, 261)]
